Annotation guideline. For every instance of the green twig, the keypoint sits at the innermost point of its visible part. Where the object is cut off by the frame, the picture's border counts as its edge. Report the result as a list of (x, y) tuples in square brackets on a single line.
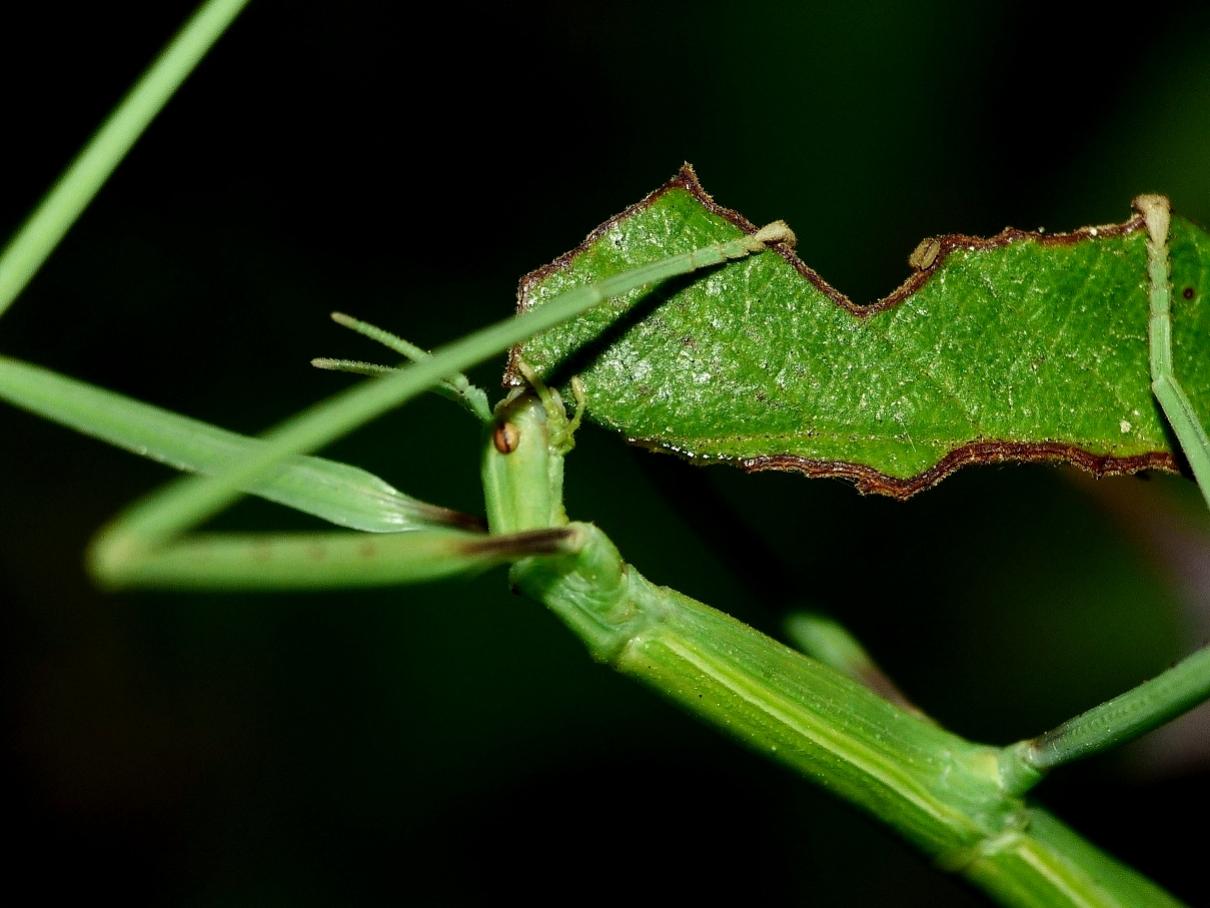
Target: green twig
[(1125, 717), (60, 208)]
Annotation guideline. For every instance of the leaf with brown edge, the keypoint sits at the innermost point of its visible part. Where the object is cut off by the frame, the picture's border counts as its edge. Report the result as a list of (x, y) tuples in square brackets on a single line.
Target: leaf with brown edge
[(1018, 347)]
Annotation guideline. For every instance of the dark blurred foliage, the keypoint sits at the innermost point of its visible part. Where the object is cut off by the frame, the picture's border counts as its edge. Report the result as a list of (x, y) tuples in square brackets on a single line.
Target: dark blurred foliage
[(452, 744)]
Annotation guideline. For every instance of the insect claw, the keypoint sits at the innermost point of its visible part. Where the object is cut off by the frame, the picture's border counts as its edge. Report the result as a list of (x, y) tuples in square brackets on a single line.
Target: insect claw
[(580, 395), (1155, 212), (776, 232)]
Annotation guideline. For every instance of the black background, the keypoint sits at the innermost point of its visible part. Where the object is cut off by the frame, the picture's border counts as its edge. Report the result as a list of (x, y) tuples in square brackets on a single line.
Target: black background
[(452, 744)]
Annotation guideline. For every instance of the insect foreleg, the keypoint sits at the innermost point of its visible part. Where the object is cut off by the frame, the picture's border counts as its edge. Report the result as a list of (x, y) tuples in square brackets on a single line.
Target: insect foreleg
[(1168, 391), (316, 561)]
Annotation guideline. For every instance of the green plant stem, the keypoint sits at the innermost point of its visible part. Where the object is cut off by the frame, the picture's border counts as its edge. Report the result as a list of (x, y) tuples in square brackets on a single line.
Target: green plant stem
[(60, 208), (1116, 721)]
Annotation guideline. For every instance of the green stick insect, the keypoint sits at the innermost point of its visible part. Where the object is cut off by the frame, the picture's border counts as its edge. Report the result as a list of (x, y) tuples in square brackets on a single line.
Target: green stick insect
[(962, 803)]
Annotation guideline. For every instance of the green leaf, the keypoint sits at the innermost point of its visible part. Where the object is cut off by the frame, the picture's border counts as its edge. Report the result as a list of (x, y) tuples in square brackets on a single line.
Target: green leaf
[(1023, 346)]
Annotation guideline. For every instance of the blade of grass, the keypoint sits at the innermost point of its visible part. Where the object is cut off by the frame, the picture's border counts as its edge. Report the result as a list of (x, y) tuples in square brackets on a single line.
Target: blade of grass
[(59, 209)]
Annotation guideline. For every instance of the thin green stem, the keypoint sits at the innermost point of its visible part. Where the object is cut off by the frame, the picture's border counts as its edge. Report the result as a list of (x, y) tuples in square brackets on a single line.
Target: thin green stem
[(1116, 721), (60, 208)]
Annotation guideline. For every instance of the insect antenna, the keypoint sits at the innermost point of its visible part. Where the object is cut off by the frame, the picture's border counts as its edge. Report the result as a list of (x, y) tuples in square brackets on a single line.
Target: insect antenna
[(457, 388), (354, 366)]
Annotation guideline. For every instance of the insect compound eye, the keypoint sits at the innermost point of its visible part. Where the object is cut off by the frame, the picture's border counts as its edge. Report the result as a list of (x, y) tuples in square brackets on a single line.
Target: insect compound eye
[(506, 438), (1188, 293)]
